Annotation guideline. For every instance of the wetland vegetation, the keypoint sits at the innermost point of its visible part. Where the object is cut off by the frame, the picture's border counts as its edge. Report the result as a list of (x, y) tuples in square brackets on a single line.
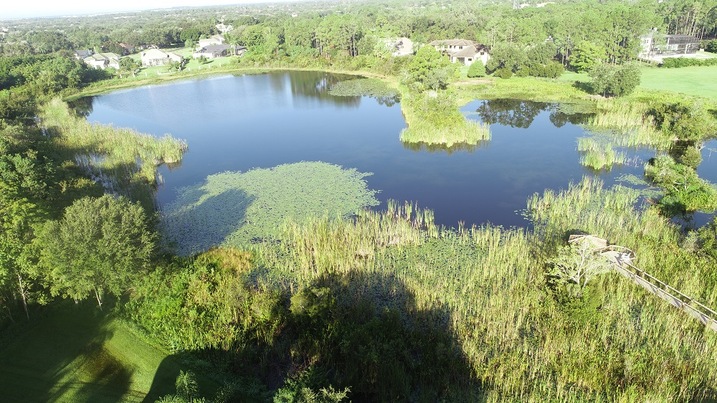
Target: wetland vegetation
[(282, 284), (234, 209)]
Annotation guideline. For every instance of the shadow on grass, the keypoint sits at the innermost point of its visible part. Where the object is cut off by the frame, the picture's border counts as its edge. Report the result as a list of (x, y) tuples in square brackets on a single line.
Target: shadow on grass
[(59, 356), (583, 86), (365, 332)]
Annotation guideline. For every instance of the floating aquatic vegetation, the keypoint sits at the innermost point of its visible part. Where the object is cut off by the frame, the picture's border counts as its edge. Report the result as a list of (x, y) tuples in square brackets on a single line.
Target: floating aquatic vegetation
[(237, 209)]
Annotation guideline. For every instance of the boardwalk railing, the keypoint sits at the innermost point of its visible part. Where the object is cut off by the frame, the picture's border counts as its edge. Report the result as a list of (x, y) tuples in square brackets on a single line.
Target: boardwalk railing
[(622, 258)]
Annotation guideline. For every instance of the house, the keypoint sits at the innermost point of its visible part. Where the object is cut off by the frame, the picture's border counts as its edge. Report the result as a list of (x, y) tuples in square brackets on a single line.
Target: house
[(156, 57), (213, 40), (81, 54), (127, 48), (221, 27), (399, 46), (655, 46), (214, 51), (102, 60), (462, 50)]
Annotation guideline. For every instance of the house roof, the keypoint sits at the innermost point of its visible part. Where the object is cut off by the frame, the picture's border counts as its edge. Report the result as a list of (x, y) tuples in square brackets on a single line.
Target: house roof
[(214, 48), (83, 53), (154, 54), (468, 51), (101, 57), (110, 55), (452, 42)]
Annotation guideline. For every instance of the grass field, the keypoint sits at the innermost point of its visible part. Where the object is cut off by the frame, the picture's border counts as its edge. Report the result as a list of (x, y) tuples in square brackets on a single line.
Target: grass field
[(695, 81), (76, 353)]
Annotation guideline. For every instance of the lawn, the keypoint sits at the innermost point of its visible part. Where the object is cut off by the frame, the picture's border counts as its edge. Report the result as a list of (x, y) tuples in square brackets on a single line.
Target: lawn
[(697, 81), (73, 353), (192, 65)]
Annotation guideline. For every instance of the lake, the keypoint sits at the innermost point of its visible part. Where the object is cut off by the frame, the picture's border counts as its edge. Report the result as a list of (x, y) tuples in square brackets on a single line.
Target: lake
[(236, 123)]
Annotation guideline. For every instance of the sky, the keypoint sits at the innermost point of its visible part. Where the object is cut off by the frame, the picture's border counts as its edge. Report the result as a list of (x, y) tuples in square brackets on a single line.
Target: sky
[(13, 9)]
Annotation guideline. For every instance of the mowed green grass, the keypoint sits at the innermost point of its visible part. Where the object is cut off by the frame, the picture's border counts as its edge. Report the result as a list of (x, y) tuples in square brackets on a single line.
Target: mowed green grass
[(697, 81), (192, 65), (76, 353)]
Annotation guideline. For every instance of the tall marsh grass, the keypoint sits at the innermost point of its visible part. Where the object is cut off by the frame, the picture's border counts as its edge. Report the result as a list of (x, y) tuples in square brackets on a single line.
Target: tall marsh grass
[(435, 119), (123, 160), (521, 342), (599, 156), (629, 124)]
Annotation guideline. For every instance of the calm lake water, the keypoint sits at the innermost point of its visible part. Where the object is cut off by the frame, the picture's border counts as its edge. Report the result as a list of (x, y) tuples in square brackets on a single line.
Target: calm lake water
[(236, 123)]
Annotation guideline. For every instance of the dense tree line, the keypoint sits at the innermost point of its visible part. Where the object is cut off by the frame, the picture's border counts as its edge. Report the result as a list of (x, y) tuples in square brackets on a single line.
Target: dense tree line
[(611, 29)]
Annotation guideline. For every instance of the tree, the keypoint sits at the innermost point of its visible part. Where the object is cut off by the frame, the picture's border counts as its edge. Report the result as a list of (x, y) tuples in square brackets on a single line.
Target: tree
[(575, 266), (129, 65), (186, 384), (99, 246), (507, 56), (428, 70), (586, 55), (611, 80), (17, 216)]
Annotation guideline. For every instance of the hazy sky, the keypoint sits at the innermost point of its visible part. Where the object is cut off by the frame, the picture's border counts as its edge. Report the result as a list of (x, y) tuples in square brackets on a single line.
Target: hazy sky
[(12, 9)]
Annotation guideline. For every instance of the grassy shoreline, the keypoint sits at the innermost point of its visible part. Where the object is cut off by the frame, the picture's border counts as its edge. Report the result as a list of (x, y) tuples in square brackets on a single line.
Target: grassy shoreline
[(123, 161), (434, 119), (104, 87)]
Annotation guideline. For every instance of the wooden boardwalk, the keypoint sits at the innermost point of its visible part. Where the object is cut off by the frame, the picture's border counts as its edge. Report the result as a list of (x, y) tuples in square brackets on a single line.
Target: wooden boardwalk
[(622, 259)]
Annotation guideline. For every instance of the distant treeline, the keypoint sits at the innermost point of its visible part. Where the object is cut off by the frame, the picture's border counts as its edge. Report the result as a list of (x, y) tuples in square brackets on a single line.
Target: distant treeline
[(310, 30)]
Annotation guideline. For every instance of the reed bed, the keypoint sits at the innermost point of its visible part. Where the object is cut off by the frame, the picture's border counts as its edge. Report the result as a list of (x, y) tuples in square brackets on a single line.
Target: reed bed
[(597, 155), (122, 159), (629, 125), (435, 119), (468, 132), (523, 344)]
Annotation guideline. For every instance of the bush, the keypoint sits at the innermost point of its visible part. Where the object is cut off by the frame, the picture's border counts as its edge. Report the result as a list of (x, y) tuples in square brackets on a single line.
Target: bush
[(685, 191), (609, 80), (711, 46), (523, 71), (550, 70), (503, 73), (477, 69), (677, 62)]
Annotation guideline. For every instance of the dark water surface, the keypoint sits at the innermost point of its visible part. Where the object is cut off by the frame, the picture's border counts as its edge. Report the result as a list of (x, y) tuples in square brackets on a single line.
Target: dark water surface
[(236, 123)]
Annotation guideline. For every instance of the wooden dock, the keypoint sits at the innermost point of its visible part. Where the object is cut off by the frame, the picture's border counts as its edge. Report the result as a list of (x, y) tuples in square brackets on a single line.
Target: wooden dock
[(622, 259)]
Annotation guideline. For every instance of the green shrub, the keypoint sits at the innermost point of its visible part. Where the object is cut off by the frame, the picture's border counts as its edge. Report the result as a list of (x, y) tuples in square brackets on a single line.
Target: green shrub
[(711, 46), (553, 70), (503, 73), (523, 71), (684, 190), (477, 69), (609, 80), (676, 62)]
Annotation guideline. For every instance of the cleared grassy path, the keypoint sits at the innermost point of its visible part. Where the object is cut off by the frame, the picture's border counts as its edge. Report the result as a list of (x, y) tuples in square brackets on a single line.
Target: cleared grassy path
[(76, 353)]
